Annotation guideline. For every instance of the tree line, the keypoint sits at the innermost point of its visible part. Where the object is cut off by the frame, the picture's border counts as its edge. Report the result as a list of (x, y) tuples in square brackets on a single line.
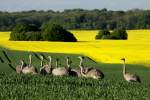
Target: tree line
[(79, 19)]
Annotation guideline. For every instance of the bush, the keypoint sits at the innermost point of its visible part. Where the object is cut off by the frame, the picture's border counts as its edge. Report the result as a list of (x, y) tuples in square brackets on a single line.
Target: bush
[(103, 34), (17, 36), (33, 36), (53, 32), (21, 28), (50, 32), (26, 36), (117, 34), (25, 32)]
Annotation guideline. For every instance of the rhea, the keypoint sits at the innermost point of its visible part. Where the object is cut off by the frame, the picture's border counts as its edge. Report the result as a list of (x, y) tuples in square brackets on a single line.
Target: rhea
[(60, 71), (20, 67), (128, 76), (90, 73), (45, 69), (72, 71), (28, 69)]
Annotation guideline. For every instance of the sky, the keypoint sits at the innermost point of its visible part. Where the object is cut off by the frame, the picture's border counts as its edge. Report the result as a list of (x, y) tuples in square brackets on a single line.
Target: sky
[(60, 5)]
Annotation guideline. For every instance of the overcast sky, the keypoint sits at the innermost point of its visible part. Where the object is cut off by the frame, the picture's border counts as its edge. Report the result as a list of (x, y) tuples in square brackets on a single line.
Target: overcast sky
[(19, 5)]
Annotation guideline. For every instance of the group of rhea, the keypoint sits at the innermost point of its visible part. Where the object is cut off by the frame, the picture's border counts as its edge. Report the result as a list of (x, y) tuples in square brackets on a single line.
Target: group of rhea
[(82, 71)]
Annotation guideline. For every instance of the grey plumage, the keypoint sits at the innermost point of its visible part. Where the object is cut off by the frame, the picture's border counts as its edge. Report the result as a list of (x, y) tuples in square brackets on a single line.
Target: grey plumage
[(60, 71), (45, 69), (128, 76), (72, 71), (90, 73), (28, 69)]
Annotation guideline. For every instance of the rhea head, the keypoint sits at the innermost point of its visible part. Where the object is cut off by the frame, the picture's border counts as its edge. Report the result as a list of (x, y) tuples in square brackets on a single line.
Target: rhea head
[(67, 57), (81, 57), (41, 57), (30, 56), (57, 59), (50, 57), (21, 60), (123, 59)]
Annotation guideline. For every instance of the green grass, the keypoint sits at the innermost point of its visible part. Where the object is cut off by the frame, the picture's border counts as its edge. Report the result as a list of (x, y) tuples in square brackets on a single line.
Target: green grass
[(38, 87)]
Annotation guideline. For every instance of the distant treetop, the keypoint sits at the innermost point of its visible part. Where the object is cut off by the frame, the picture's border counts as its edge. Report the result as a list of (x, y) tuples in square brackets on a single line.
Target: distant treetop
[(79, 19)]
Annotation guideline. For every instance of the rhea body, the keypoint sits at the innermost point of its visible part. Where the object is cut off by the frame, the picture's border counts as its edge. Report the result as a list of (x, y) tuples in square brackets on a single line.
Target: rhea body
[(60, 71), (45, 69), (128, 76), (75, 72), (28, 69), (72, 71), (91, 72)]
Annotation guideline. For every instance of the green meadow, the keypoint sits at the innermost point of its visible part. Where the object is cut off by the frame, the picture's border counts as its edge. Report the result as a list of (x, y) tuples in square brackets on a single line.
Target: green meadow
[(15, 86)]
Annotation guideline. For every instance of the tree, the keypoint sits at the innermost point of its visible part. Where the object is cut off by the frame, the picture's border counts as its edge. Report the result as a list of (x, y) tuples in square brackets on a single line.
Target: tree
[(119, 34), (79, 19), (22, 27), (103, 34), (25, 32), (53, 32), (33, 36)]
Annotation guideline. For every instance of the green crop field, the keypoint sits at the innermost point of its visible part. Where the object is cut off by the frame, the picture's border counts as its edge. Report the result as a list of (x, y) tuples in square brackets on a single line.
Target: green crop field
[(37, 87)]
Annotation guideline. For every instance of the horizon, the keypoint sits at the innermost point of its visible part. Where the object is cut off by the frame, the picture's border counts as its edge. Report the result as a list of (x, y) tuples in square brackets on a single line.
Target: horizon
[(71, 9), (25, 5)]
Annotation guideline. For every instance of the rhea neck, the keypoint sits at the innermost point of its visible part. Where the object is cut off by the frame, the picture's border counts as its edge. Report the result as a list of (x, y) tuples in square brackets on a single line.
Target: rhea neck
[(22, 64), (81, 66), (81, 62), (124, 67), (41, 61), (67, 62), (50, 62), (56, 63), (30, 60)]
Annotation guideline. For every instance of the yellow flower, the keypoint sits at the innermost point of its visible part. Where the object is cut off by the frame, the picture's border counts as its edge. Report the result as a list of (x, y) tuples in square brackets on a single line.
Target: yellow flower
[(136, 49)]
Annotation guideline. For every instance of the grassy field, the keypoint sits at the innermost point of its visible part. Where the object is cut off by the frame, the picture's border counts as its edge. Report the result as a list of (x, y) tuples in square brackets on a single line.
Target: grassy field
[(136, 49), (37, 87)]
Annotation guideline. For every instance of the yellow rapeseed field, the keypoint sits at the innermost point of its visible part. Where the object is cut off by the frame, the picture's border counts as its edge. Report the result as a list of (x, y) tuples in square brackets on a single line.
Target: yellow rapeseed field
[(136, 49)]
